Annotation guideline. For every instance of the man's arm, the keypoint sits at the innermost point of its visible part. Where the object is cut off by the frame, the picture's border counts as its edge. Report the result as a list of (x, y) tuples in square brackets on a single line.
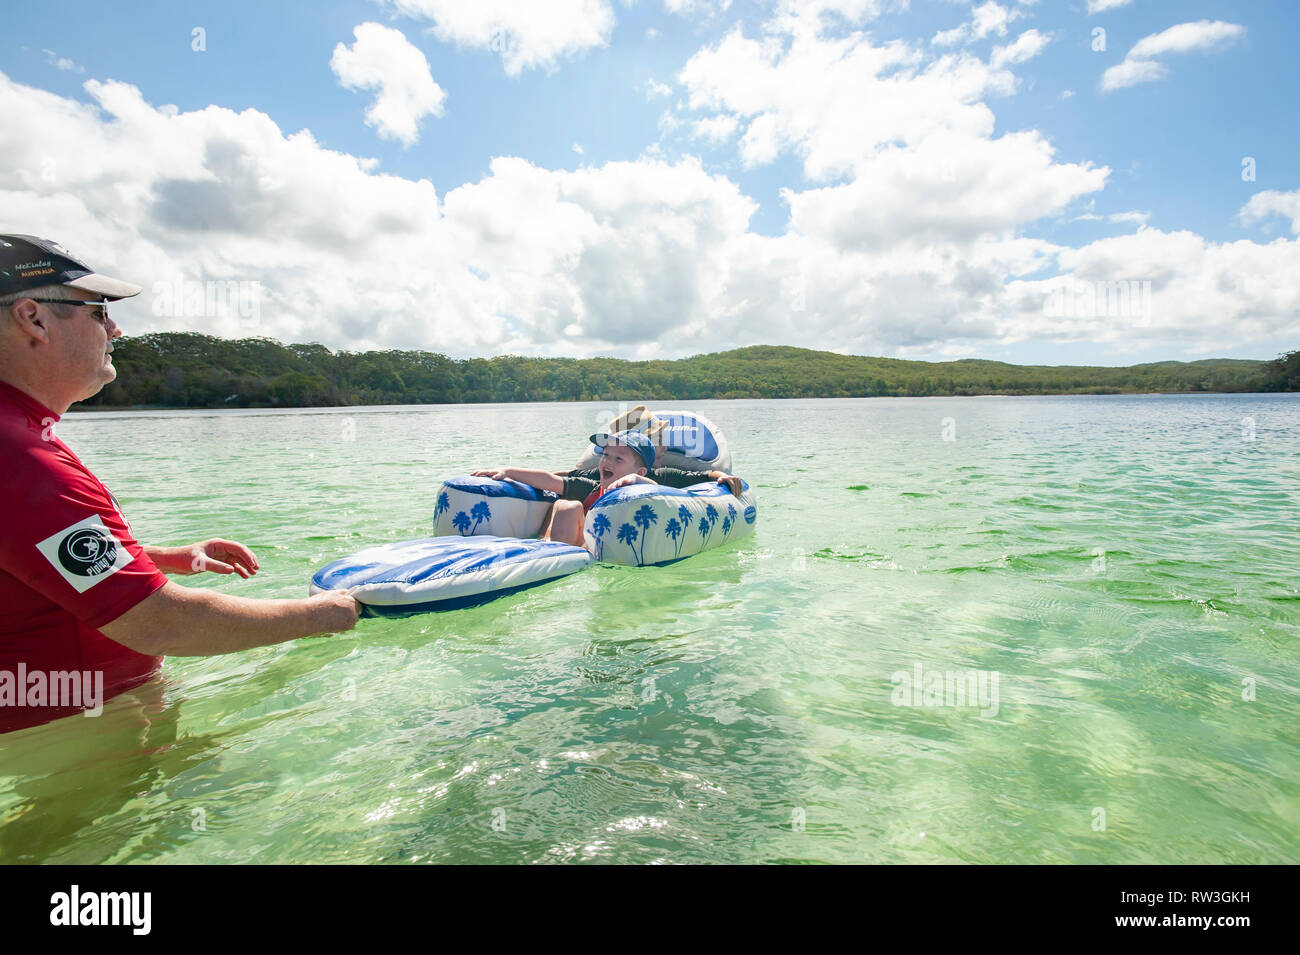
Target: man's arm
[(673, 477), (188, 622)]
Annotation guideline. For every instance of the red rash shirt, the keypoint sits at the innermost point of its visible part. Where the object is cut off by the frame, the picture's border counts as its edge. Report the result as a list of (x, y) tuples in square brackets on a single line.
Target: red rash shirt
[(68, 565)]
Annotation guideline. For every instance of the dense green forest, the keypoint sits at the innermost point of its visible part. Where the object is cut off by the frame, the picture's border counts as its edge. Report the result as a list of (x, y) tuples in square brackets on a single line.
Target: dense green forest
[(176, 369)]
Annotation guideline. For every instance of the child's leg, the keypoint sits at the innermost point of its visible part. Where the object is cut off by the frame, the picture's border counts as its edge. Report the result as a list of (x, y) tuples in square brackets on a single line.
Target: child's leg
[(565, 523), (545, 532)]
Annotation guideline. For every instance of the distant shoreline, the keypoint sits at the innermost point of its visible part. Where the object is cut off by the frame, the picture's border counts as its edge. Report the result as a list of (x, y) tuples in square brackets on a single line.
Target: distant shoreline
[(181, 370), (642, 400)]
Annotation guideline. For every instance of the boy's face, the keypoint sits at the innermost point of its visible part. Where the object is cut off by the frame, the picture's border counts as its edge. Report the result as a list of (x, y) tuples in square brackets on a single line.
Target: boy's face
[(618, 461)]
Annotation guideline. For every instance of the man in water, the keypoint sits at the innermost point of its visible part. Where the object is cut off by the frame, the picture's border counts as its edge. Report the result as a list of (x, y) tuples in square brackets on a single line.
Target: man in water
[(83, 606)]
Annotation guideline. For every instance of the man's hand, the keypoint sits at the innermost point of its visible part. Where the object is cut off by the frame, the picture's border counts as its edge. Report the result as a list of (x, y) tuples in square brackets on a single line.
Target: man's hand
[(340, 610), (216, 555), (496, 474), (730, 480), (223, 557)]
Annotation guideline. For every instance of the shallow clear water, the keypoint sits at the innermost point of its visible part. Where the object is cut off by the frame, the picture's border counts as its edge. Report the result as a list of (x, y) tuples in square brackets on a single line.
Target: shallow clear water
[(1124, 567)]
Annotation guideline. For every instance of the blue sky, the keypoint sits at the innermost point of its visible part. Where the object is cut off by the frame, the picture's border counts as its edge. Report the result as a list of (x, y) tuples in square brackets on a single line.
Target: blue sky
[(827, 215)]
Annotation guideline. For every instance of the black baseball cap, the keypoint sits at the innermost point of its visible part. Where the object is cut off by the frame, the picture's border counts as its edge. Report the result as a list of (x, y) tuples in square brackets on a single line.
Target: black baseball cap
[(28, 262)]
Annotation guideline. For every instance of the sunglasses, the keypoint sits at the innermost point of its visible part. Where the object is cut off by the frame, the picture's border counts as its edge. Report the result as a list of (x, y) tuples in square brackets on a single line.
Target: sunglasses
[(100, 313)]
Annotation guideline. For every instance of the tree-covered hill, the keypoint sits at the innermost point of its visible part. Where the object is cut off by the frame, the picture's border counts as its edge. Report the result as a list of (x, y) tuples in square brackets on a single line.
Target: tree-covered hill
[(178, 369)]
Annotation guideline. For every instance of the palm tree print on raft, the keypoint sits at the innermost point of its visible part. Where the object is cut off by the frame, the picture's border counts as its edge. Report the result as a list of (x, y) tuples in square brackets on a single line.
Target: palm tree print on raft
[(599, 528), (443, 505), (729, 521), (627, 535), (480, 512), (707, 520), (673, 529), (645, 516), (678, 525), (461, 523)]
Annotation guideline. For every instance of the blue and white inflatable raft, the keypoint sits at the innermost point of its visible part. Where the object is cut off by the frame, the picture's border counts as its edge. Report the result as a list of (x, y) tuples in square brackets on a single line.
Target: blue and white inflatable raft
[(445, 573), (486, 542)]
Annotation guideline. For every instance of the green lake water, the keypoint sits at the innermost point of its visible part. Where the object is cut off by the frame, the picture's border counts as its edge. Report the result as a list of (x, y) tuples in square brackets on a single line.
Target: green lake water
[(1119, 574)]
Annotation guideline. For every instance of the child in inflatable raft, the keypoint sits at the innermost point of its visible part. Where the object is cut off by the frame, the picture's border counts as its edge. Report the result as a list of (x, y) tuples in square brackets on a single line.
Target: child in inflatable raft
[(626, 457), (681, 513)]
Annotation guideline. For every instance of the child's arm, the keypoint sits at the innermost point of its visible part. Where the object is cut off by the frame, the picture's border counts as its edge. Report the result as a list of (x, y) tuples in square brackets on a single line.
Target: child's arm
[(630, 479), (542, 480)]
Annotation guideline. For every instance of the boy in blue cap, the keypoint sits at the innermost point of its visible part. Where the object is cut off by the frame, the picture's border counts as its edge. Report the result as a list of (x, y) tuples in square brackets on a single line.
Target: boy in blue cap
[(625, 458)]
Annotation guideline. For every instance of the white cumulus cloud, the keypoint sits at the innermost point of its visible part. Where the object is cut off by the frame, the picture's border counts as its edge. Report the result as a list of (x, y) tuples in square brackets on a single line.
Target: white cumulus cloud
[(948, 188), (913, 237), (62, 62), (345, 255), (806, 97), (1270, 203), (716, 129), (1026, 46), (383, 59), (526, 35), (986, 18), (989, 18), (954, 37), (1098, 6), (1140, 64), (697, 7), (1204, 292), (1134, 216), (1186, 37), (816, 17), (1131, 72)]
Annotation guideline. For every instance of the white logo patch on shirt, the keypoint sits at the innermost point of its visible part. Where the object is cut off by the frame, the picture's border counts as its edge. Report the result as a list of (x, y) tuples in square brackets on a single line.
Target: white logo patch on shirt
[(85, 553)]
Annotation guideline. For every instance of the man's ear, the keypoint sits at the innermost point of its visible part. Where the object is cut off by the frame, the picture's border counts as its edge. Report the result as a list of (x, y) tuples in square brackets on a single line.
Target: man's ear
[(26, 315)]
